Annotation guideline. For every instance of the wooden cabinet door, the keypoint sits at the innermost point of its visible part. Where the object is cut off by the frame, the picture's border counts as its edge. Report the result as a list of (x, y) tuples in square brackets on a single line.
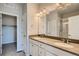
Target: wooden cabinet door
[(33, 50), (0, 34), (41, 51)]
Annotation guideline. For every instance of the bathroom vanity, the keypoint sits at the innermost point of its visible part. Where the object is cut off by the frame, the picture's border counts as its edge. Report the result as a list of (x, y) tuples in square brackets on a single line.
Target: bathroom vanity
[(45, 46)]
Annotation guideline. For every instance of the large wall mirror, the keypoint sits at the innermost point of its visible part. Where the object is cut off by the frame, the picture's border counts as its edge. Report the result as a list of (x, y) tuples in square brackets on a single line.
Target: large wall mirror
[(64, 22)]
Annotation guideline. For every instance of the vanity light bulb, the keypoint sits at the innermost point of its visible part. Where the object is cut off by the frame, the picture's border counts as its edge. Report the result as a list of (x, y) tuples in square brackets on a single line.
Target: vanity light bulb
[(58, 4)]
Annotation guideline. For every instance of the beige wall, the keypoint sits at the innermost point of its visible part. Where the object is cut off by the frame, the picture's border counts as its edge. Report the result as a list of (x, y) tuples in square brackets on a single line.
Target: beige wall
[(32, 9), (38, 26), (32, 23), (9, 20)]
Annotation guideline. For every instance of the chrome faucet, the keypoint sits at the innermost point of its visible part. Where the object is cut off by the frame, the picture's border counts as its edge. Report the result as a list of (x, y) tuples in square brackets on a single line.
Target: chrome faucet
[(67, 40)]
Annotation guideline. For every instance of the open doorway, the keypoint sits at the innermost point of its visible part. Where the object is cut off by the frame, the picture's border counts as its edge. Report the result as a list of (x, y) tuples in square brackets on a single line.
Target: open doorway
[(9, 33)]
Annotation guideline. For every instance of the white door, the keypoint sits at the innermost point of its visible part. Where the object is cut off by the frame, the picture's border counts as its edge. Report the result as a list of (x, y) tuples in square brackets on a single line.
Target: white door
[(35, 50), (0, 34)]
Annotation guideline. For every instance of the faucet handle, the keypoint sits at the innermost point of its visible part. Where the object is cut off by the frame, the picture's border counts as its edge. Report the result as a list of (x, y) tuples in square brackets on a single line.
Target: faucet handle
[(68, 40)]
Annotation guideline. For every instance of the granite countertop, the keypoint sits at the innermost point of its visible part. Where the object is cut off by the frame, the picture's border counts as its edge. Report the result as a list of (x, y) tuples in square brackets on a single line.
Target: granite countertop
[(71, 47)]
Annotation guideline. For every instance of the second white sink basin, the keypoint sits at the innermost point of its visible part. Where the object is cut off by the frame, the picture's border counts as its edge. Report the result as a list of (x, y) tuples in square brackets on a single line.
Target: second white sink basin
[(39, 38)]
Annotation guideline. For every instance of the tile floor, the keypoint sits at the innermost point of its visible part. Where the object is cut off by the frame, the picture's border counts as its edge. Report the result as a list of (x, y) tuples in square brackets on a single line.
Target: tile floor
[(10, 50)]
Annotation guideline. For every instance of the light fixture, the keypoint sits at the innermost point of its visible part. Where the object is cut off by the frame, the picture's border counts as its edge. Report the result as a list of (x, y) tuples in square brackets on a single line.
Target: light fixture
[(62, 5), (46, 11)]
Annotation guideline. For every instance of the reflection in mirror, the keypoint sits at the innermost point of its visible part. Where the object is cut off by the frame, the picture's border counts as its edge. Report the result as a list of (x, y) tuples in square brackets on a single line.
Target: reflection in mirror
[(52, 24), (70, 28), (73, 28)]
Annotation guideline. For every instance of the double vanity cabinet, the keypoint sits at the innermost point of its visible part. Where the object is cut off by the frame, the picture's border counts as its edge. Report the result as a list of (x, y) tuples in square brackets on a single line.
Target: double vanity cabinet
[(39, 48)]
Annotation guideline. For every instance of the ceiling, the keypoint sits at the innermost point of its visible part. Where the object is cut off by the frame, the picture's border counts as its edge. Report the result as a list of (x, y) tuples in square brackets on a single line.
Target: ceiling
[(74, 7)]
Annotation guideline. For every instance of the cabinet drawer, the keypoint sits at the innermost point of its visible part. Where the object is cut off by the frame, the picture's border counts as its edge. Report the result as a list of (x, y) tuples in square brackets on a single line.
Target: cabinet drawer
[(42, 45), (58, 51), (33, 49), (34, 42)]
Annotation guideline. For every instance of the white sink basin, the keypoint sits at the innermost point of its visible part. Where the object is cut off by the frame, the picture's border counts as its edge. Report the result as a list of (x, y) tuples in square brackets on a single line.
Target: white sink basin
[(64, 45), (37, 38)]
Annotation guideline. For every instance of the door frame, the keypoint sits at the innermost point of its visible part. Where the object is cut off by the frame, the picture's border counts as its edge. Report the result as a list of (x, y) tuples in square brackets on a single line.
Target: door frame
[(1, 35), (18, 29), (15, 26)]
